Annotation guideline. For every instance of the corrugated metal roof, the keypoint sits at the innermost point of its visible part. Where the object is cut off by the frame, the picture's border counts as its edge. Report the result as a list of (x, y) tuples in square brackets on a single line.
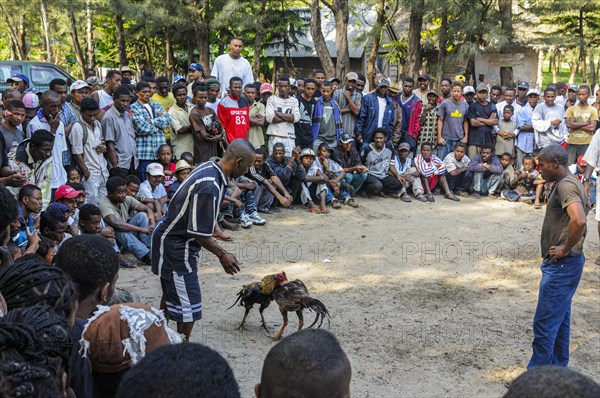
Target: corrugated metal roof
[(359, 26)]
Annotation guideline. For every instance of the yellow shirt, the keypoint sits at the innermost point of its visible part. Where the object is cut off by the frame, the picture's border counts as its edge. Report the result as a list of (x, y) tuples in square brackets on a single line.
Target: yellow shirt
[(166, 102), (581, 114)]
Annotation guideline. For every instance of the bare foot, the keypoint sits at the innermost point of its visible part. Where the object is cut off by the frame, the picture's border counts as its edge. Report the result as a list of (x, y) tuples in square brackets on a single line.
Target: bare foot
[(229, 225)]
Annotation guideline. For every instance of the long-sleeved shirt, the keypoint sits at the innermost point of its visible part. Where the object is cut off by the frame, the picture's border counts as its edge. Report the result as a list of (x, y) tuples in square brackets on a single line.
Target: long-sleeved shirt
[(495, 165), (346, 159), (545, 132), (524, 140), (284, 173), (149, 128)]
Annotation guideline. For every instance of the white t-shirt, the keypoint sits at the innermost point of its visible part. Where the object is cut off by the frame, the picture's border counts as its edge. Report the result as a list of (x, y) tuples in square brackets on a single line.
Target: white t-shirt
[(104, 99), (59, 150), (95, 162), (288, 106), (382, 105), (226, 67)]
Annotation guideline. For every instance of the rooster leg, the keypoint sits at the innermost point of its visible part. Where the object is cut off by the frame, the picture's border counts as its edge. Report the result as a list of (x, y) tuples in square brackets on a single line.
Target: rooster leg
[(263, 306), (241, 327), (300, 320), (285, 323)]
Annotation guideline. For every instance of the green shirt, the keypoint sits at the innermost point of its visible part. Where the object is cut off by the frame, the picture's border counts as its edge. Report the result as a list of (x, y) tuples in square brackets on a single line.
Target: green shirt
[(120, 211)]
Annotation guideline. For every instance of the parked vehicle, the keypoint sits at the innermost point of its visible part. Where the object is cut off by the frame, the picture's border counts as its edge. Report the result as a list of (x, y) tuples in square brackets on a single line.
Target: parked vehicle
[(40, 73)]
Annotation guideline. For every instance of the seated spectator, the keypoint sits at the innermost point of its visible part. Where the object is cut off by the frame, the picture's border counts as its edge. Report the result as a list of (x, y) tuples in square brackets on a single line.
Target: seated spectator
[(487, 173), (377, 156), (523, 186), (95, 285), (153, 188), (458, 175), (269, 186), (132, 234), (404, 166), (30, 203), (338, 191), (346, 155), (553, 382), (165, 159), (47, 250), (68, 197), (432, 170), (182, 170), (146, 379), (508, 175), (116, 338), (54, 223), (188, 157), (289, 170), (313, 188), (310, 363)]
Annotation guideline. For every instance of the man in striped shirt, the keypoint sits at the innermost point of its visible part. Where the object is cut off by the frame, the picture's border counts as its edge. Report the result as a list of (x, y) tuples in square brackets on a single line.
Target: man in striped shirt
[(187, 227)]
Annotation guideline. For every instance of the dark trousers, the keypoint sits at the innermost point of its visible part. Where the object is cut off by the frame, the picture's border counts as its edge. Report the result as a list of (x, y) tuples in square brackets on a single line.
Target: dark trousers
[(460, 182), (123, 172), (388, 185)]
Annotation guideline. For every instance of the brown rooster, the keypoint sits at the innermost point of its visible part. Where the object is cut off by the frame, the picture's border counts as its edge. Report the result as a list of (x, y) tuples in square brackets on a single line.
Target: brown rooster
[(259, 293), (294, 296)]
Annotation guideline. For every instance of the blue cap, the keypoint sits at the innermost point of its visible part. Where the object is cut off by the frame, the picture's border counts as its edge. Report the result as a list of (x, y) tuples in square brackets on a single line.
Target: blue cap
[(178, 78), (18, 78), (522, 84), (197, 67)]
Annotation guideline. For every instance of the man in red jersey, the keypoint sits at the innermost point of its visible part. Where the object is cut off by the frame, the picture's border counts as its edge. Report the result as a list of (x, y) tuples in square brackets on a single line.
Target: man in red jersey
[(233, 111)]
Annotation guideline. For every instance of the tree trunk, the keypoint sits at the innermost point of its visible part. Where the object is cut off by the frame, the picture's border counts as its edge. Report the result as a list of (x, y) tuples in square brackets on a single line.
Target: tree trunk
[(121, 48), (414, 37), (12, 47), (203, 49), (22, 41), (319, 41), (342, 16), (16, 50), (170, 58), (258, 40), (505, 7), (582, 46), (75, 39), (190, 49), (592, 70), (540, 68), (442, 38), (91, 52), (376, 35), (556, 68), (573, 66), (46, 27), (147, 52)]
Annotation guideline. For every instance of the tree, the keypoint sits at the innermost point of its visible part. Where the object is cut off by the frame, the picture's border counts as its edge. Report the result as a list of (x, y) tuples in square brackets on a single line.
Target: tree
[(319, 39), (414, 36), (45, 25)]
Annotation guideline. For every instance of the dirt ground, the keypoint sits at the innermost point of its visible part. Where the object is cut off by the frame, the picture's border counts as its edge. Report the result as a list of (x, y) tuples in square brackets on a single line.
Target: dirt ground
[(427, 299)]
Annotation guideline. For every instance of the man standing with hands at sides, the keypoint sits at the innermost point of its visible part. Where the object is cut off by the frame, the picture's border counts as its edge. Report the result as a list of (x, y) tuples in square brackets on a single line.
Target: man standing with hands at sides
[(232, 64), (281, 113), (187, 227), (452, 125), (563, 234), (349, 100)]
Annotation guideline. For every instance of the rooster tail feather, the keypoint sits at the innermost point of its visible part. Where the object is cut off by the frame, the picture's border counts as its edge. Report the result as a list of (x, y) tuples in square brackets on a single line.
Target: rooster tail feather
[(318, 307), (238, 299)]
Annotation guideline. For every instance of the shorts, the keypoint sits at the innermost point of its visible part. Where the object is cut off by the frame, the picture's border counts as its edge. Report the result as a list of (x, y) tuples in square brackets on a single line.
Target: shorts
[(182, 297)]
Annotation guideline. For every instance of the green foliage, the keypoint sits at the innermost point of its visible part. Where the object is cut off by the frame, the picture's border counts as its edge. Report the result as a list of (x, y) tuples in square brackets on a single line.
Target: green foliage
[(398, 51)]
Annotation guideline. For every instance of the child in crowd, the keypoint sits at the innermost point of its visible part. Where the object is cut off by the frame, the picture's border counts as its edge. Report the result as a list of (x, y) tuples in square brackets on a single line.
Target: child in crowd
[(578, 169), (73, 175), (313, 187), (153, 188), (505, 136), (431, 171), (337, 188), (182, 170), (46, 249), (524, 184), (165, 157), (404, 166), (508, 174), (189, 158), (458, 175)]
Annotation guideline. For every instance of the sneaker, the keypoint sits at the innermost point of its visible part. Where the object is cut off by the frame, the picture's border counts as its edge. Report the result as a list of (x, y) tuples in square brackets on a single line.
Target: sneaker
[(146, 260), (256, 219), (336, 204), (245, 221), (350, 202)]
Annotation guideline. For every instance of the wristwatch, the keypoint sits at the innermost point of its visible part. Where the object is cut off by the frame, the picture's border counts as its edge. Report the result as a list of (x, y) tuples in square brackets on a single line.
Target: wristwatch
[(584, 180)]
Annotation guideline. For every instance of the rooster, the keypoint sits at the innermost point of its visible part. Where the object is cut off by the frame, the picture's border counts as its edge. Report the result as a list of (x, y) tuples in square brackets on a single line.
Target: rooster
[(294, 296), (259, 293)]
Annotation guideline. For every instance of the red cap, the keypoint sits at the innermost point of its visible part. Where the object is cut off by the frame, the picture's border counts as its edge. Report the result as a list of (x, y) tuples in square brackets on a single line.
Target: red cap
[(65, 191), (580, 161)]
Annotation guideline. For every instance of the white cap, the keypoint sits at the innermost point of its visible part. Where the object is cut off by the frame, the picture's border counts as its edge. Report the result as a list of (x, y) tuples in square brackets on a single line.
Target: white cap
[(468, 89), (155, 169), (292, 82), (78, 85), (533, 91)]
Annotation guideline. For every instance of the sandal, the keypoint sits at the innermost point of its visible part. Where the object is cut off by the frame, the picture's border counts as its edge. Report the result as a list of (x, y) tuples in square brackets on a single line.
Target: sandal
[(405, 198), (452, 197), (313, 210), (421, 198), (324, 210), (430, 198), (537, 206)]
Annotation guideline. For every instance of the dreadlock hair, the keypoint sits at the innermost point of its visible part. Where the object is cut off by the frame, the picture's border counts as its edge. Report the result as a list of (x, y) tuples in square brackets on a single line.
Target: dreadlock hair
[(30, 281), (8, 204), (100, 259), (23, 380), (51, 329), (18, 342)]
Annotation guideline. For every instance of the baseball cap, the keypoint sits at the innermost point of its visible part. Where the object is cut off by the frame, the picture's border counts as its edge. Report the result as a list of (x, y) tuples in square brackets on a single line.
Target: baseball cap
[(352, 76), (433, 92), (155, 169), (326, 146), (31, 100), (346, 138), (533, 91), (266, 88), (19, 77), (404, 145), (562, 85), (573, 87), (383, 83), (178, 78), (197, 67), (182, 165), (522, 84), (293, 82), (334, 79), (482, 87), (212, 82), (92, 81), (65, 191), (78, 85), (459, 78), (469, 89), (424, 77), (580, 161), (307, 152)]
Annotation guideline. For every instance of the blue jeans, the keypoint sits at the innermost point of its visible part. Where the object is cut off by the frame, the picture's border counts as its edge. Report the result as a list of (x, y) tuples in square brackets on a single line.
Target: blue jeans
[(249, 202), (486, 185), (356, 180), (443, 150), (137, 243), (460, 182), (552, 320)]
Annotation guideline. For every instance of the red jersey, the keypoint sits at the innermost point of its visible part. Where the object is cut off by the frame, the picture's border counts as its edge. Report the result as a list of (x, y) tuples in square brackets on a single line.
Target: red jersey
[(234, 115)]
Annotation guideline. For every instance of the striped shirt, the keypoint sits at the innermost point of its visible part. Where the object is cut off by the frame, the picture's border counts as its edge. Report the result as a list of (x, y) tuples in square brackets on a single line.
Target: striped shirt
[(192, 212)]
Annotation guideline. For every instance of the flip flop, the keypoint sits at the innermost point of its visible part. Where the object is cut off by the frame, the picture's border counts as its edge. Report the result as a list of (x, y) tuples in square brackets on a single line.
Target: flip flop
[(224, 238), (324, 210), (313, 210)]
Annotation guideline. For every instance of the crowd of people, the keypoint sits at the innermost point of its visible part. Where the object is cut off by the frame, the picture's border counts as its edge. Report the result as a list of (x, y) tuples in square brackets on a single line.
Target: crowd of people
[(106, 167)]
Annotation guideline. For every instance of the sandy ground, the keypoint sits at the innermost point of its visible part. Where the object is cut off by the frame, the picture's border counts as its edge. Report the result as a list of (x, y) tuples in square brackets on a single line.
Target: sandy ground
[(427, 300)]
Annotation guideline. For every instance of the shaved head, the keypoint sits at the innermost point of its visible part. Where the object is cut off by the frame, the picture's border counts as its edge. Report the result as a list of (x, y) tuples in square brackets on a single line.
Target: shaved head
[(237, 158), (49, 96)]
